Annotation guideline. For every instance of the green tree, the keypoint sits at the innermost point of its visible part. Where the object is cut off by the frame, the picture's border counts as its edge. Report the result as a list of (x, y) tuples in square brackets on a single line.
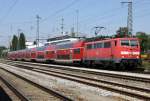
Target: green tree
[(149, 42), (22, 40), (122, 32), (14, 43), (144, 40), (34, 43), (1, 49)]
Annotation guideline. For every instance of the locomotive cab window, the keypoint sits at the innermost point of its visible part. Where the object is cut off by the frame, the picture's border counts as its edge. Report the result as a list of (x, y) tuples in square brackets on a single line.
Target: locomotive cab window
[(133, 43), (125, 43)]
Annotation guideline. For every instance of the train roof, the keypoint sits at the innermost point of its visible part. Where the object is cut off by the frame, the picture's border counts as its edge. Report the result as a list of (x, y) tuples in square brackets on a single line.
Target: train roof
[(63, 41), (108, 39)]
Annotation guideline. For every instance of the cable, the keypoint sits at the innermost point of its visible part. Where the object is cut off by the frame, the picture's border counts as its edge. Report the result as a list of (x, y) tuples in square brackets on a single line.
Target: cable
[(61, 10), (46, 18), (9, 10)]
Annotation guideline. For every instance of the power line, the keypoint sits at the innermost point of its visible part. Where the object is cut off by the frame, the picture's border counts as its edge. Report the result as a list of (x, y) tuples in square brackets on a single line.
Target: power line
[(105, 16), (46, 18), (62, 9), (9, 10)]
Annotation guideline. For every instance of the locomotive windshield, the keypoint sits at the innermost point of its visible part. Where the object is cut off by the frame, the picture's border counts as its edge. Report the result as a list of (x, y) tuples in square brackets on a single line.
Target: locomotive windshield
[(131, 43)]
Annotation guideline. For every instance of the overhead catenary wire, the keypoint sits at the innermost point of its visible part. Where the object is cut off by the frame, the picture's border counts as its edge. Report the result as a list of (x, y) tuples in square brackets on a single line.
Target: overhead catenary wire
[(109, 16), (9, 10), (61, 10)]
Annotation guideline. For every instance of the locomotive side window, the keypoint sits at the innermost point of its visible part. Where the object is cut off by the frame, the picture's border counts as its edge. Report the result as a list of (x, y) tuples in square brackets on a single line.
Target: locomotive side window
[(89, 46), (95, 45), (107, 44), (99, 45), (125, 43), (77, 51)]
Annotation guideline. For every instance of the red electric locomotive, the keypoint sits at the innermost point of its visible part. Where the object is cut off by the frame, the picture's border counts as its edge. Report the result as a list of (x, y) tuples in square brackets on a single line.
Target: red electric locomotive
[(124, 52)]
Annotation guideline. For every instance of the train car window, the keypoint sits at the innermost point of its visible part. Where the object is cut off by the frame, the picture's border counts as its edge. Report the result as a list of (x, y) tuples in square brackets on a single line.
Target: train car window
[(77, 51), (107, 44), (53, 52), (95, 45), (62, 46), (125, 43), (49, 52), (40, 56), (89, 46), (133, 43), (63, 56), (33, 53)]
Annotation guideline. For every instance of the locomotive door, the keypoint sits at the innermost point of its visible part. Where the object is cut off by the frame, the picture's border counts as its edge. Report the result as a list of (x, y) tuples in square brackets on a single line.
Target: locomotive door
[(113, 47), (107, 51)]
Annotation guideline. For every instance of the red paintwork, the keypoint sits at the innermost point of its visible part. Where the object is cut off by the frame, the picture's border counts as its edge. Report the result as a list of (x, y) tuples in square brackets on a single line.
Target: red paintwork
[(114, 52), (78, 45), (33, 54), (49, 52), (52, 52)]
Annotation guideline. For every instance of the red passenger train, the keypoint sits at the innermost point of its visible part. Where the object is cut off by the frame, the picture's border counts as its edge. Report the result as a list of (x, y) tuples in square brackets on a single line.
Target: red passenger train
[(118, 52)]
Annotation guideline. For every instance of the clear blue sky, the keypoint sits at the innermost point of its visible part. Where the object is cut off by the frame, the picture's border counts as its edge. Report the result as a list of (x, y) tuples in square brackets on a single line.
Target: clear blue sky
[(21, 14)]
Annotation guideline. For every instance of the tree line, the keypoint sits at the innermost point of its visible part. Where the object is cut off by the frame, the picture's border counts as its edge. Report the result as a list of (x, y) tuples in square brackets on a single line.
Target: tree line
[(18, 43), (144, 38)]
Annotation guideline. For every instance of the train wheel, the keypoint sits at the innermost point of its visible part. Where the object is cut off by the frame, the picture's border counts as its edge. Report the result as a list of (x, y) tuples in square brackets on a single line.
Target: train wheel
[(122, 66)]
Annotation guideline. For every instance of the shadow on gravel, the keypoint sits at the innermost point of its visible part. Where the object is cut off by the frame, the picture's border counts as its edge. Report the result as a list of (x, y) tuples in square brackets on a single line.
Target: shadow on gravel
[(3, 95)]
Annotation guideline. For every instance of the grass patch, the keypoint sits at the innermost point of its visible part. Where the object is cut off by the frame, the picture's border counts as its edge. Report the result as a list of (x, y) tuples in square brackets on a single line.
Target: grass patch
[(146, 64)]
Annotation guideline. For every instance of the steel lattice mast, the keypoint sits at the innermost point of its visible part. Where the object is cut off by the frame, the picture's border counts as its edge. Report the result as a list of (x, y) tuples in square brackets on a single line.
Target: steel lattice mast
[(130, 19)]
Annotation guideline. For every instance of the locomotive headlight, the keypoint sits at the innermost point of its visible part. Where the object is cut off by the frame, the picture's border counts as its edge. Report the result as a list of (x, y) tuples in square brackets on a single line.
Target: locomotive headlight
[(137, 56), (122, 56)]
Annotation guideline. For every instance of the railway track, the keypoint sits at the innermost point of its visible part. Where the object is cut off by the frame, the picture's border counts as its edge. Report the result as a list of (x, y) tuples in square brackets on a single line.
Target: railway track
[(129, 90), (43, 92), (122, 75), (17, 92)]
